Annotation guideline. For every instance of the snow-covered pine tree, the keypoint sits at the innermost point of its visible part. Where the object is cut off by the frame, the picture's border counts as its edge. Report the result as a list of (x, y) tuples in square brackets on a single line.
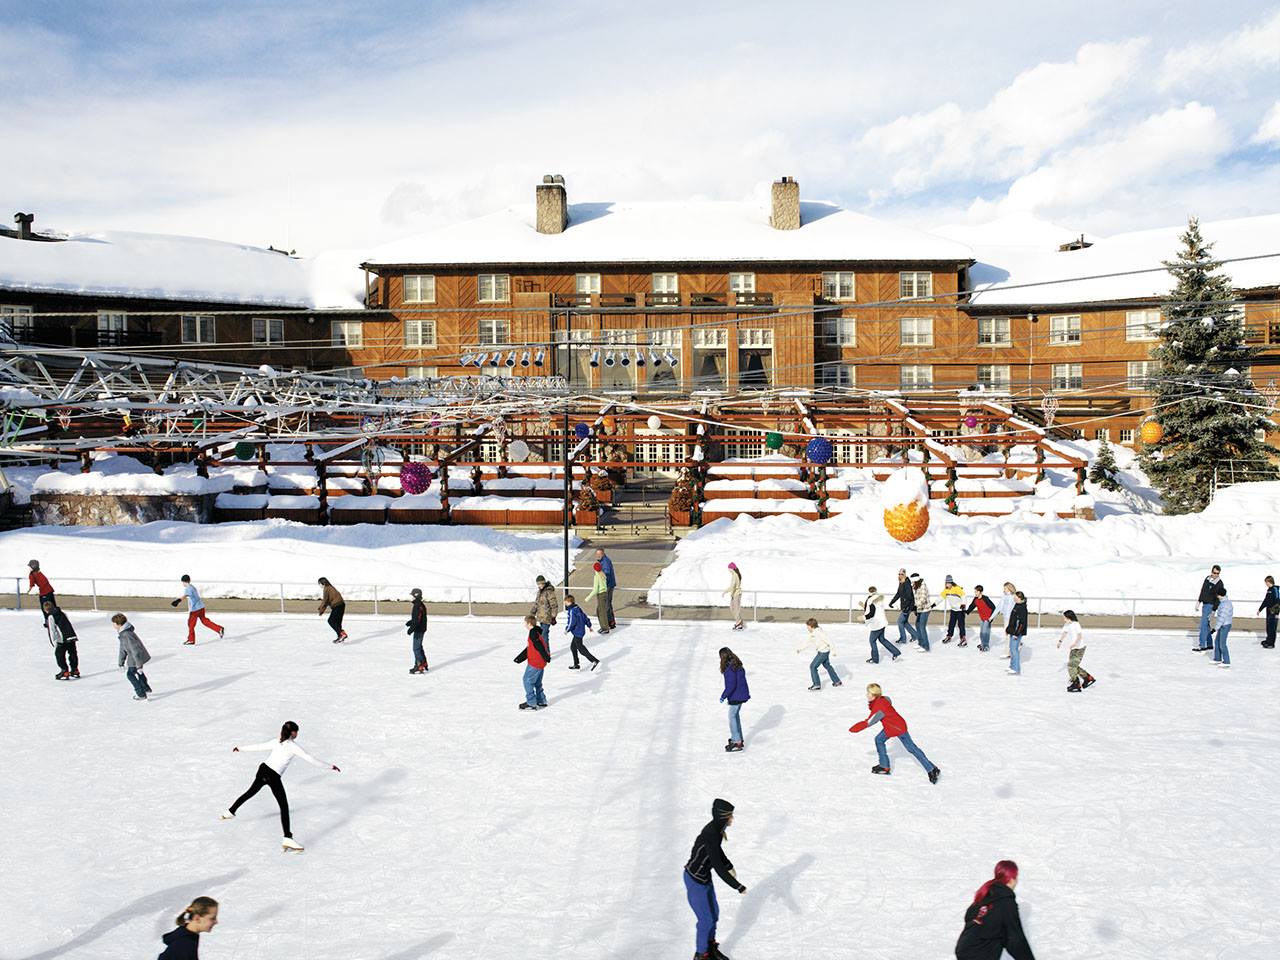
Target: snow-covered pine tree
[(1202, 395), (1103, 471)]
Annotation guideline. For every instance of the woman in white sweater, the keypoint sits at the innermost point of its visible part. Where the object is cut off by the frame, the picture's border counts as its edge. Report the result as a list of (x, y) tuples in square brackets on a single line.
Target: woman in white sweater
[(817, 641), (873, 617), (270, 773), (734, 592)]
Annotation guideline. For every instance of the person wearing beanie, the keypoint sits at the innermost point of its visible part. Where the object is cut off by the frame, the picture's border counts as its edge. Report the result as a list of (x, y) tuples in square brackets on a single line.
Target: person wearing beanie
[(706, 857), (545, 608), (953, 603), (610, 581), (196, 612), (417, 627), (906, 599), (62, 637), (734, 592), (600, 590), (40, 583), (881, 711)]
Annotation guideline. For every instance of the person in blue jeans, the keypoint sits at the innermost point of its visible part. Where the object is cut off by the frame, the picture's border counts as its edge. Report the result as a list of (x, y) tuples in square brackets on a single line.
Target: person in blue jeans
[(1016, 628), (986, 611), (906, 601), (737, 693), (1210, 591), (817, 640), (535, 652), (1221, 656), (708, 856), (920, 593)]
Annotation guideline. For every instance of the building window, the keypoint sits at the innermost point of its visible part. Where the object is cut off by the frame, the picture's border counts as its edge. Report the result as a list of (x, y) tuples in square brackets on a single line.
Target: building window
[(420, 373), (618, 345), (710, 357), (1126, 436), (573, 363), (1142, 325), (1140, 372), (666, 283), (1064, 329), (842, 331), (755, 358), (112, 328), (837, 285), (994, 332), (347, 333), (493, 288), (916, 331), (587, 283), (838, 375), (419, 333), (915, 377), (742, 282), (16, 319), (1102, 434), (419, 288), (495, 331), (664, 347), (198, 328), (268, 330), (993, 376), (915, 285), (1067, 376)]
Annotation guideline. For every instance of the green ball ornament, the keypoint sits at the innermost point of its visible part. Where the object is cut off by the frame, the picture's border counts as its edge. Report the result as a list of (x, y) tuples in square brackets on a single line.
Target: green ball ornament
[(245, 450), (773, 441)]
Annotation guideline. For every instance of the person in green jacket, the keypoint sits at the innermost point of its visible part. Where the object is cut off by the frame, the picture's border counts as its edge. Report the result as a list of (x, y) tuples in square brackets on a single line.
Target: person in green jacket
[(600, 590)]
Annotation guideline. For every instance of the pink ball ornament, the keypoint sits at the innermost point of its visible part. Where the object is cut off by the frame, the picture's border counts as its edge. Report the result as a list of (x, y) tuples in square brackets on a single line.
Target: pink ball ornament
[(415, 478), (971, 421)]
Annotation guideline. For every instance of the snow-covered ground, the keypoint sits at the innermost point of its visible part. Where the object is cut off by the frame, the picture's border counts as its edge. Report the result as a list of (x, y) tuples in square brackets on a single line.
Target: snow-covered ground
[(1140, 813)]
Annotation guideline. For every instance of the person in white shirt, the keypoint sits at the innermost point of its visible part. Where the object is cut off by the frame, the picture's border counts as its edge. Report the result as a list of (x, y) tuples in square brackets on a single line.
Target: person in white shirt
[(817, 641), (873, 616), (1004, 607), (1073, 636), (195, 610), (269, 775)]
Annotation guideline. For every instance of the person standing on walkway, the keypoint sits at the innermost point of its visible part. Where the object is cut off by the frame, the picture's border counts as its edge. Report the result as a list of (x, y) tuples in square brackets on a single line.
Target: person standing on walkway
[(195, 611), (417, 628), (537, 657), (576, 625), (880, 710), (920, 594), (1210, 590), (600, 590), (873, 617), (62, 636), (986, 611), (817, 641), (991, 924), (905, 598), (1016, 628), (1073, 634), (133, 656), (1221, 656), (183, 941), (40, 583), (707, 856), (610, 581), (331, 600), (1271, 607), (953, 604), (1004, 608), (734, 592), (271, 773), (737, 693), (545, 607)]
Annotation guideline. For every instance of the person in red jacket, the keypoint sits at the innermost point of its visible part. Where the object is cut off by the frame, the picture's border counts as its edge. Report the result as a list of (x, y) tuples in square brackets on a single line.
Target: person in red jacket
[(536, 653), (986, 611), (892, 725), (39, 582)]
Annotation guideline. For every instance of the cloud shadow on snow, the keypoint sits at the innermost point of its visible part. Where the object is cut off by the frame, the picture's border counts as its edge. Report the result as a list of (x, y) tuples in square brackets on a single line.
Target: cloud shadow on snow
[(424, 949)]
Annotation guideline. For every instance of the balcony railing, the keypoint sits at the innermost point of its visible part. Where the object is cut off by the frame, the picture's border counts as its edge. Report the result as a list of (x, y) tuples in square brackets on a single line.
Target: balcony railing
[(707, 299), (572, 299), (662, 299), (617, 299), (61, 335), (754, 299)]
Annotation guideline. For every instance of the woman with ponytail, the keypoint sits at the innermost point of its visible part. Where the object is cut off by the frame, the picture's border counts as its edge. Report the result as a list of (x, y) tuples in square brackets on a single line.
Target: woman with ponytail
[(183, 943), (992, 924)]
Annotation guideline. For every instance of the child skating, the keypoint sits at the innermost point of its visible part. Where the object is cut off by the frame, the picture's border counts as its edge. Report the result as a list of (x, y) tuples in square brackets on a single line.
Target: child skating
[(737, 693), (271, 774), (38, 582), (576, 625), (195, 611), (331, 600), (62, 637), (417, 628), (892, 725), (817, 641), (873, 616), (537, 657), (183, 941), (986, 611), (133, 656), (953, 604), (1073, 634)]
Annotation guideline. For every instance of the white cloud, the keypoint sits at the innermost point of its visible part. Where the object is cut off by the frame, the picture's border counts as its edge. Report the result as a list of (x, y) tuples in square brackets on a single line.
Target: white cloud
[(1235, 58), (1269, 130)]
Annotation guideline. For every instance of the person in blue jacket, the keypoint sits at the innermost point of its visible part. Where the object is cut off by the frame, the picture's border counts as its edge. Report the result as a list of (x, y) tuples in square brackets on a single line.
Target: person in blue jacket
[(737, 693), (577, 623), (1271, 606), (610, 581)]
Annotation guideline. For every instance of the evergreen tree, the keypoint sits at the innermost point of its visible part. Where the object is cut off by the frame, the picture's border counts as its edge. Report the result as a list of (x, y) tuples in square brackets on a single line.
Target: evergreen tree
[(1103, 471), (1201, 393)]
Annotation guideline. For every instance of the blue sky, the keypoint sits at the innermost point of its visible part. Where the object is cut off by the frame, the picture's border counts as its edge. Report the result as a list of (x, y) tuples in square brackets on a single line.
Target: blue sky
[(322, 125)]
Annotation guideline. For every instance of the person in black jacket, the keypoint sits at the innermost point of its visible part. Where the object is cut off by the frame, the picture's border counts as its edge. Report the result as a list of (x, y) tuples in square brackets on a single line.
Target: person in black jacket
[(707, 856), (417, 626), (992, 924), (1271, 605), (907, 598), (62, 635), (183, 942), (1210, 591), (1016, 628)]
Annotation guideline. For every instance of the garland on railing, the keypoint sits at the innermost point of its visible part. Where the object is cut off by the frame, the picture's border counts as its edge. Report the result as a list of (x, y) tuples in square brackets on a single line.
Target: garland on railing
[(950, 500), (820, 486), (1080, 481), (1039, 460)]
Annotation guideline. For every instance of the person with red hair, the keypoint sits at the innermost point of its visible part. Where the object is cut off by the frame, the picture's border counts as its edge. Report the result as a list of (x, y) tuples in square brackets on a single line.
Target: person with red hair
[(992, 924)]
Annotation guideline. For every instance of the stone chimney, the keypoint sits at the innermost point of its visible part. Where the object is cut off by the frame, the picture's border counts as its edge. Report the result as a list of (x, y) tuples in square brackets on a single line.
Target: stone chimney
[(552, 204), (785, 211), (23, 220)]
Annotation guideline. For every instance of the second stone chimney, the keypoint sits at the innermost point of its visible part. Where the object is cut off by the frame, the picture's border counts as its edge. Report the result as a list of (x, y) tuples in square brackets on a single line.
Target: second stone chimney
[(785, 210), (24, 221), (552, 204)]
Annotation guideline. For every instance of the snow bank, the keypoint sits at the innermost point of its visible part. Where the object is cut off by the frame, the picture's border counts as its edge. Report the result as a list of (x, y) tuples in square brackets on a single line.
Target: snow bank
[(130, 483), (360, 503), (904, 486)]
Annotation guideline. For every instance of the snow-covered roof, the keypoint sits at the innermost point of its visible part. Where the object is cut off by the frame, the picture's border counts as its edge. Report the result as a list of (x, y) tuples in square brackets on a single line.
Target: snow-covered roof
[(159, 266), (1009, 262), (670, 232)]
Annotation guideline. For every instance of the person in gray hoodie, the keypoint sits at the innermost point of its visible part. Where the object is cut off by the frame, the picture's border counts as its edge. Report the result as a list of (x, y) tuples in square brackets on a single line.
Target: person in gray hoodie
[(133, 655)]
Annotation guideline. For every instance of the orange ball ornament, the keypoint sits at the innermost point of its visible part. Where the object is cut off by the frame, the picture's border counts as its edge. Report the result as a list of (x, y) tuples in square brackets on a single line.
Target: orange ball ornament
[(611, 424), (1151, 433), (907, 521)]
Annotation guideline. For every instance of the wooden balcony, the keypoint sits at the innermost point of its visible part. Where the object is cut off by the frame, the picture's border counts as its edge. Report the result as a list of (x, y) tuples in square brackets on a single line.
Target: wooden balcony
[(662, 299), (572, 300), (754, 299), (617, 299), (707, 299)]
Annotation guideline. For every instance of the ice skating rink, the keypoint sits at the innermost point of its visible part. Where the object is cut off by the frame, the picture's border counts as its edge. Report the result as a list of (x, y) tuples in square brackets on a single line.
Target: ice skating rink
[(1141, 812)]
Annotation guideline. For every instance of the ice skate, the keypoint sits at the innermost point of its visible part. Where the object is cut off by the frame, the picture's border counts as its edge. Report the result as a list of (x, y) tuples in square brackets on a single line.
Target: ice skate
[(881, 770), (222, 632), (713, 950), (226, 815), (290, 845), (1089, 681), (136, 697), (1074, 686), (934, 774), (527, 706), (575, 667), (594, 664), (62, 675), (816, 686), (840, 683), (734, 746), (188, 643)]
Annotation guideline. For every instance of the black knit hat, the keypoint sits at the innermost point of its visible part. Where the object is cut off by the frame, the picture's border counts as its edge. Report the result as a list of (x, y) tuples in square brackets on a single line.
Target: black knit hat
[(720, 809)]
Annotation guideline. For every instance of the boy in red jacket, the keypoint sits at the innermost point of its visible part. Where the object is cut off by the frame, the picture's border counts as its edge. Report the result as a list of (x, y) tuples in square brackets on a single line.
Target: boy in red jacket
[(892, 725), (536, 653), (986, 611)]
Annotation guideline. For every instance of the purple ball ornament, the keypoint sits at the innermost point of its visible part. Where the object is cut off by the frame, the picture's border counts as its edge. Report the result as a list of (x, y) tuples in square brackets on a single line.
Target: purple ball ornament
[(971, 421), (582, 431), (415, 478), (818, 450)]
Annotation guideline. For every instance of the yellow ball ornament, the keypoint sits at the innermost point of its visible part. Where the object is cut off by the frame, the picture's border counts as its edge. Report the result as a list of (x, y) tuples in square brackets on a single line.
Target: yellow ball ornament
[(907, 521), (1151, 433)]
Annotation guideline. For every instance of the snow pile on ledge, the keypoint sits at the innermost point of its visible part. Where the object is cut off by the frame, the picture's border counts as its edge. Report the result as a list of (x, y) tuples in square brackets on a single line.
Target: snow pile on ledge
[(130, 483), (904, 486)]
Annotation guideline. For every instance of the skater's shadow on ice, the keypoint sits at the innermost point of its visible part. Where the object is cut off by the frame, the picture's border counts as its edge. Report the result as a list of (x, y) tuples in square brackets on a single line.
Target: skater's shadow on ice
[(159, 903), (361, 795), (463, 658), (205, 687), (772, 718), (597, 678), (424, 949), (776, 886)]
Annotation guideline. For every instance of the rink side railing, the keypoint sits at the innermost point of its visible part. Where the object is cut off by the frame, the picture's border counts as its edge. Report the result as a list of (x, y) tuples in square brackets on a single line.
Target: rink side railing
[(111, 593)]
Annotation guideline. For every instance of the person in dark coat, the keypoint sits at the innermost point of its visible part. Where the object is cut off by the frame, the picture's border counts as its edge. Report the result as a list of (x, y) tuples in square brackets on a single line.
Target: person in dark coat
[(905, 598), (62, 636), (1271, 606), (737, 693), (536, 653), (1016, 628), (183, 942), (416, 627), (992, 924), (708, 856), (1210, 591)]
